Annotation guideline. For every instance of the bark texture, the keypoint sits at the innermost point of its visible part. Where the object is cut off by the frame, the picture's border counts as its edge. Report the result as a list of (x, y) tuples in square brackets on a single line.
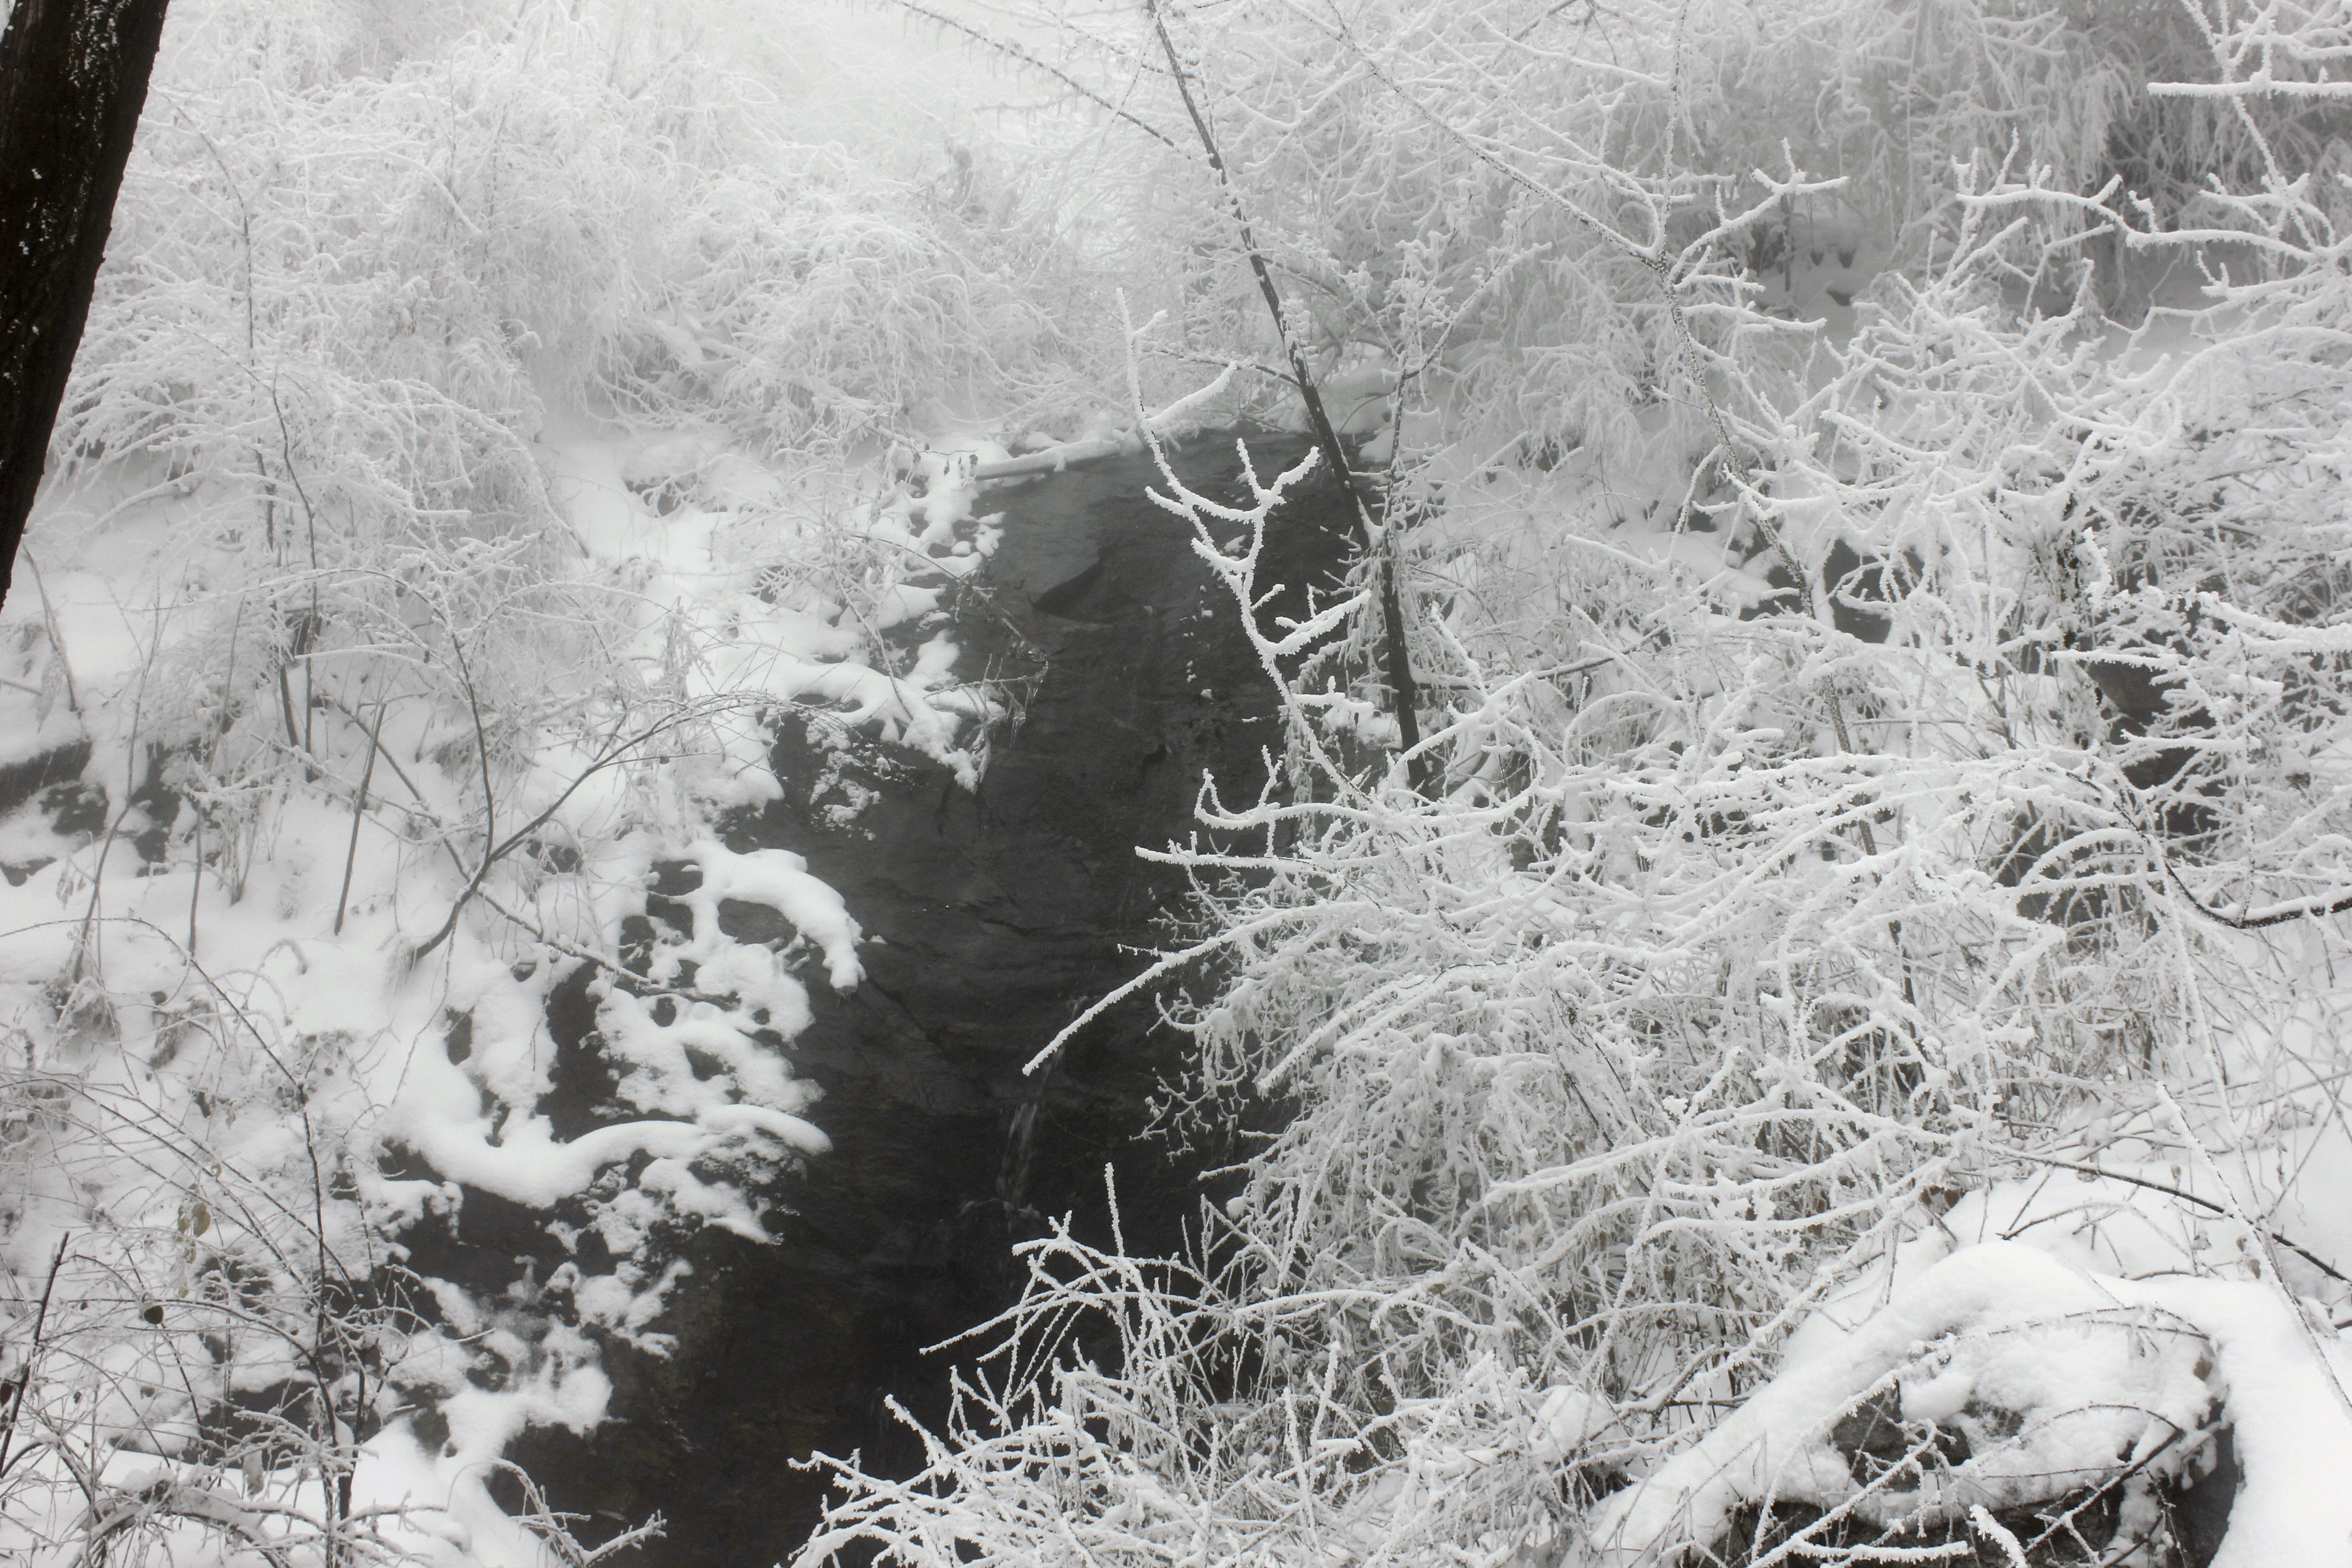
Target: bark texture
[(73, 78)]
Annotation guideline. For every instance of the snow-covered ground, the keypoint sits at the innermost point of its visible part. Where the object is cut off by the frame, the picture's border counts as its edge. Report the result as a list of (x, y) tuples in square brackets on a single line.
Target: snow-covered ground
[(187, 957)]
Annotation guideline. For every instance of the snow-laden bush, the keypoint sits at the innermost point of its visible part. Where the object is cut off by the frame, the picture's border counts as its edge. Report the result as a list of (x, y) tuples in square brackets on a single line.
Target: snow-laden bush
[(1888, 745), (1470, 198), (485, 426)]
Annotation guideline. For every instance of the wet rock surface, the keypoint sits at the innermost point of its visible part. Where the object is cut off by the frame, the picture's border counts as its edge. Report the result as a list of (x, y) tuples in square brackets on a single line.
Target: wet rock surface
[(996, 916), (2157, 1516)]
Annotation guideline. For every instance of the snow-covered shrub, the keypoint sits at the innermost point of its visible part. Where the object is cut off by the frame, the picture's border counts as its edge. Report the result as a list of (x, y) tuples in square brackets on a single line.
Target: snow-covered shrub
[(489, 420), (221, 1327), (1879, 731), (1470, 201)]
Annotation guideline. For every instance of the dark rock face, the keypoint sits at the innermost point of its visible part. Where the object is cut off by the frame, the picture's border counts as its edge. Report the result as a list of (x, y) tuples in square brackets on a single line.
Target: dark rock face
[(20, 781), (999, 915), (2180, 1520)]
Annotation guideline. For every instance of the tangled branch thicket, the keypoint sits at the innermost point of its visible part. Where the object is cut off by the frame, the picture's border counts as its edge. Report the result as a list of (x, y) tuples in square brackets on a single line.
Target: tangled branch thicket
[(1878, 726), (387, 725)]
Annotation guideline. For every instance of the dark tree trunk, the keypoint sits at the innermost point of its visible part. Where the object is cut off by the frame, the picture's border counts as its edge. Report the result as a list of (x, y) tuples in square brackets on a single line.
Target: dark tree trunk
[(73, 78)]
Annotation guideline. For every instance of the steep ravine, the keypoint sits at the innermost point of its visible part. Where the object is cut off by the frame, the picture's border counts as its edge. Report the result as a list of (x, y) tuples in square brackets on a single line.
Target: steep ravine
[(998, 915)]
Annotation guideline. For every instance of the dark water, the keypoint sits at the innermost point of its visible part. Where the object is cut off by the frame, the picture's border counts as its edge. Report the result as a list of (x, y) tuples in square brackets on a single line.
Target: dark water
[(1001, 914)]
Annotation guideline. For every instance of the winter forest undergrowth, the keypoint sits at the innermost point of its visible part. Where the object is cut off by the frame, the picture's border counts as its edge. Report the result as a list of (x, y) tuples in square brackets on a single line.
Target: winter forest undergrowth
[(1813, 1033)]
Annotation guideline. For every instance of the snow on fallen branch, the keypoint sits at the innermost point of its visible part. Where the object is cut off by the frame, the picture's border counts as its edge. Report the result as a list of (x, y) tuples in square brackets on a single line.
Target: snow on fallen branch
[(1053, 459), (2043, 1381)]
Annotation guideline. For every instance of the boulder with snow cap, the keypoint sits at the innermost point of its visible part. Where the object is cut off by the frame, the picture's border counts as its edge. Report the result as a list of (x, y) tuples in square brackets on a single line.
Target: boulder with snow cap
[(2005, 1407)]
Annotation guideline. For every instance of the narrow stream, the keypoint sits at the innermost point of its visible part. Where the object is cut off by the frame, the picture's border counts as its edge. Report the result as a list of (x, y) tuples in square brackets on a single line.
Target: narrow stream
[(999, 915)]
